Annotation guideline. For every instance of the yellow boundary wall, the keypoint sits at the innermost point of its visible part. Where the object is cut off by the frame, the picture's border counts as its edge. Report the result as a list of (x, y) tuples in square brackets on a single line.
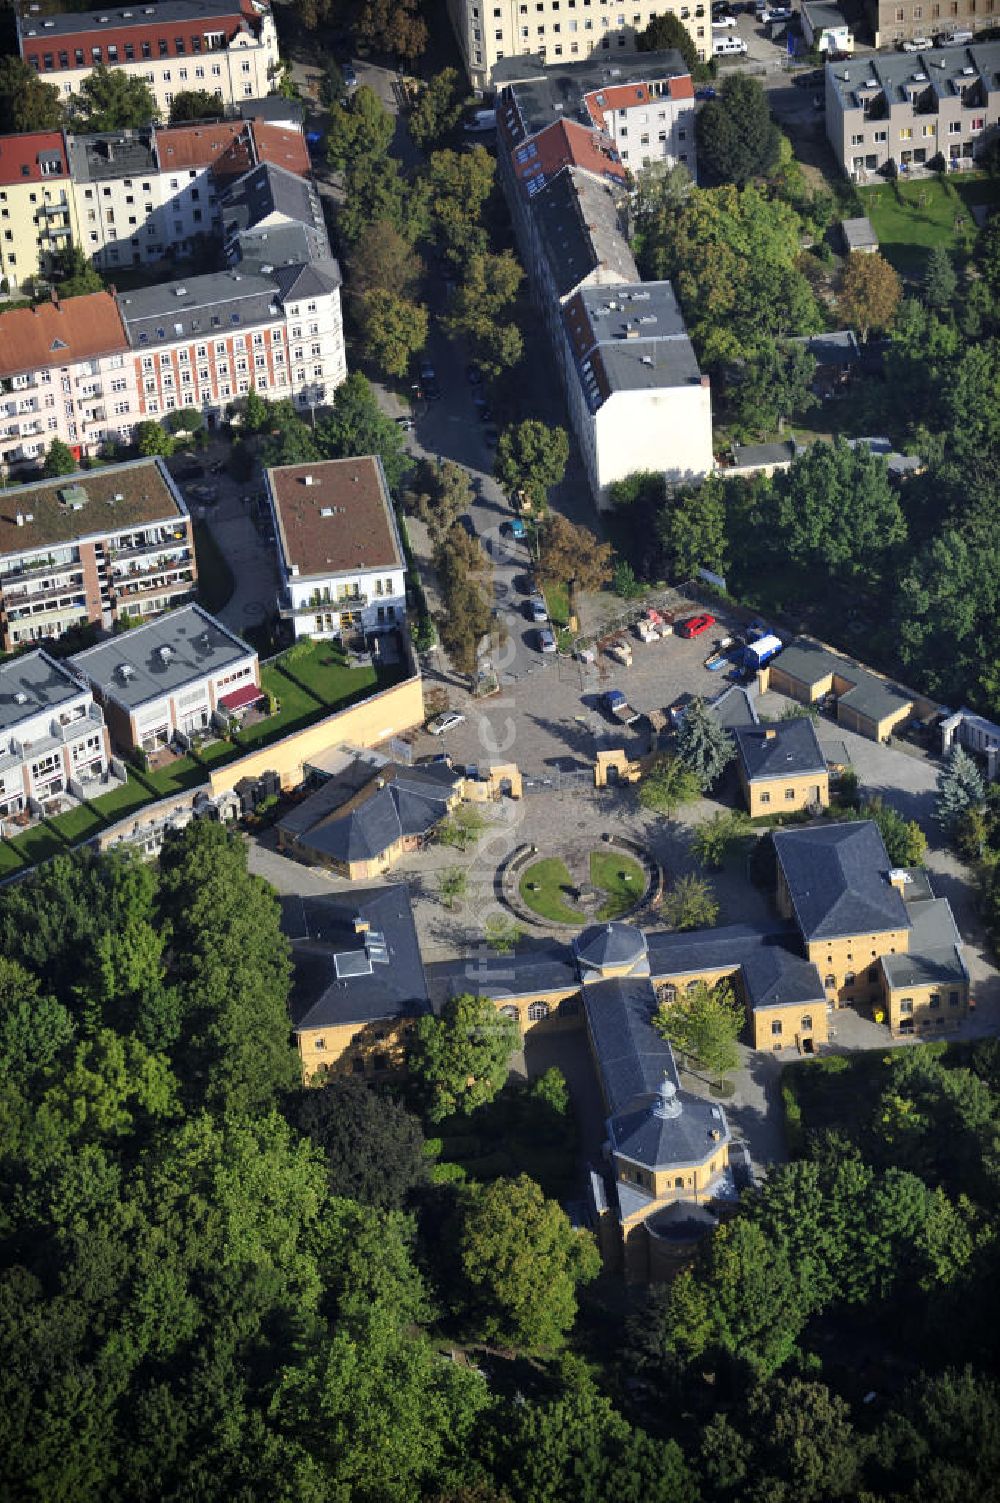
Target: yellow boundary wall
[(387, 713)]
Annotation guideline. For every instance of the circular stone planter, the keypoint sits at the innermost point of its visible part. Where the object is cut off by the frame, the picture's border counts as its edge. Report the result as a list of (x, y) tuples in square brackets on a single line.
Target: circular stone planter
[(601, 883)]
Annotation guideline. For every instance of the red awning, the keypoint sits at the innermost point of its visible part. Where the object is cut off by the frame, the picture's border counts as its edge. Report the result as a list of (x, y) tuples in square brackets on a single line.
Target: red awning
[(240, 698)]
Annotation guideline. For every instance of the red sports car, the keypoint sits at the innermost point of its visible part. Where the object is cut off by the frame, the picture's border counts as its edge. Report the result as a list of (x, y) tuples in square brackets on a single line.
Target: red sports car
[(694, 626)]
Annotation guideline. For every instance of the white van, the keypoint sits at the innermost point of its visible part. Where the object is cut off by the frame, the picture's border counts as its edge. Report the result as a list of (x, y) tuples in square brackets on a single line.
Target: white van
[(729, 47)]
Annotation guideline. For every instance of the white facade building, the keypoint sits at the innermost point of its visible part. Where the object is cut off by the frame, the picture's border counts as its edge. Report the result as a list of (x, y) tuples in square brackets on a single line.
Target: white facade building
[(176, 46), (341, 560), (52, 736), (171, 675), (636, 396)]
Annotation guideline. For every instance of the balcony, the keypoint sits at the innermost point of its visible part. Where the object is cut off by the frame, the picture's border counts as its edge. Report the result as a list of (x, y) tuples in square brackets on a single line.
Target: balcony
[(23, 600), (288, 612)]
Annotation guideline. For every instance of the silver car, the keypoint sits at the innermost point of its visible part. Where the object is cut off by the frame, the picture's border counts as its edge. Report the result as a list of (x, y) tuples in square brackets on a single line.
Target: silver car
[(546, 640), (445, 722), (537, 609)]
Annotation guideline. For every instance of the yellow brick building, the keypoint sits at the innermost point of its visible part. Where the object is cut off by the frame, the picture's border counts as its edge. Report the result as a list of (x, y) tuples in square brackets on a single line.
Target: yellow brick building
[(781, 767), (664, 1176), (37, 210)]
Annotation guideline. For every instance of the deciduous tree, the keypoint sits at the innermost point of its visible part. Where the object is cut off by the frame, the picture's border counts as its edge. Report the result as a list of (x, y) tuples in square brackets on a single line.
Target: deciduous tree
[(773, 386), (691, 530), (704, 1024), (195, 104), (394, 330), (113, 99), (460, 1059), (569, 553), (359, 133), (373, 1147), (532, 457), (382, 258), (74, 275), (667, 786), (150, 438), (870, 293), (836, 509), (523, 1261), (394, 26), (27, 103), (690, 904), (904, 840), (439, 108), (357, 425)]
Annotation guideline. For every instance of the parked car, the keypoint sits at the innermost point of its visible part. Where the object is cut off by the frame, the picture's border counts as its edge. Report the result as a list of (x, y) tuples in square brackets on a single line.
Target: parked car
[(491, 437), (349, 76), (189, 471), (516, 529), (485, 413), (537, 608), (706, 92), (446, 722), (961, 37), (406, 423), (432, 391), (917, 44), (204, 493), (694, 626), (727, 46), (546, 640), (473, 375), (812, 78), (722, 23), (427, 371)]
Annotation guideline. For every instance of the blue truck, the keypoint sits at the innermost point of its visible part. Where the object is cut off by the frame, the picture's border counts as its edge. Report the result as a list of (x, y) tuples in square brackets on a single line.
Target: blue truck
[(618, 707)]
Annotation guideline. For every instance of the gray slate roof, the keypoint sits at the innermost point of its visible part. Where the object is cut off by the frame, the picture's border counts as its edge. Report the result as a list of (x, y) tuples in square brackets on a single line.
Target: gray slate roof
[(774, 977), (201, 307), (577, 224), (773, 973), (411, 801), (659, 355), (935, 954), (838, 879), (789, 748), (322, 928), (759, 456), (615, 944), (734, 707), (274, 107), (870, 696), (634, 1062), (859, 233), (270, 189), (529, 974), (167, 12), (181, 647)]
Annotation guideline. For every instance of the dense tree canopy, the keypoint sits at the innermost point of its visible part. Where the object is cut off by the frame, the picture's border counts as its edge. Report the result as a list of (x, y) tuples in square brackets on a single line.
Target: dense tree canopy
[(461, 1058), (737, 138), (112, 99), (26, 102)]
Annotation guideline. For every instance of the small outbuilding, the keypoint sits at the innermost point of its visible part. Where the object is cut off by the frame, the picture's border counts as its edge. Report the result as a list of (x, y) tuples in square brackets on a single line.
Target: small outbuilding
[(859, 235)]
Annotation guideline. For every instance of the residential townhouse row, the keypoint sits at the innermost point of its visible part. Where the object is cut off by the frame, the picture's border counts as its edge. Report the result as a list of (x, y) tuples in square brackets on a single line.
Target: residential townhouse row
[(176, 45), (127, 198), (908, 109), (635, 394), (497, 41)]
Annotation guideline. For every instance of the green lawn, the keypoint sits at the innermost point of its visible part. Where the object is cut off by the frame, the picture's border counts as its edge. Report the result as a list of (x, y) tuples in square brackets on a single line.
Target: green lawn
[(557, 603), (549, 878), (78, 824), (216, 752), (215, 578), (296, 706), (323, 671), (37, 845), (911, 217), (122, 800), (621, 877), (10, 860), (182, 774)]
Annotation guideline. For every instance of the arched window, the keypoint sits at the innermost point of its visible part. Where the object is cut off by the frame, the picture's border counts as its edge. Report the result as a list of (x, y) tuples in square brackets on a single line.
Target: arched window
[(537, 1011), (830, 982), (849, 978), (569, 1007), (692, 986), (668, 994), (510, 1011), (806, 1024), (679, 1182)]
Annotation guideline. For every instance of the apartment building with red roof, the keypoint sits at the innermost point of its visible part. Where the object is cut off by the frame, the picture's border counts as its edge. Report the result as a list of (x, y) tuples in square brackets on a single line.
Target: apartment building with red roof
[(226, 47), (36, 205)]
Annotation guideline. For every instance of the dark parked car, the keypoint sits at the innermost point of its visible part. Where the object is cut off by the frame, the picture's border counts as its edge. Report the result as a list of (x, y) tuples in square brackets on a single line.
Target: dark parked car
[(189, 471), (811, 79), (705, 93)]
